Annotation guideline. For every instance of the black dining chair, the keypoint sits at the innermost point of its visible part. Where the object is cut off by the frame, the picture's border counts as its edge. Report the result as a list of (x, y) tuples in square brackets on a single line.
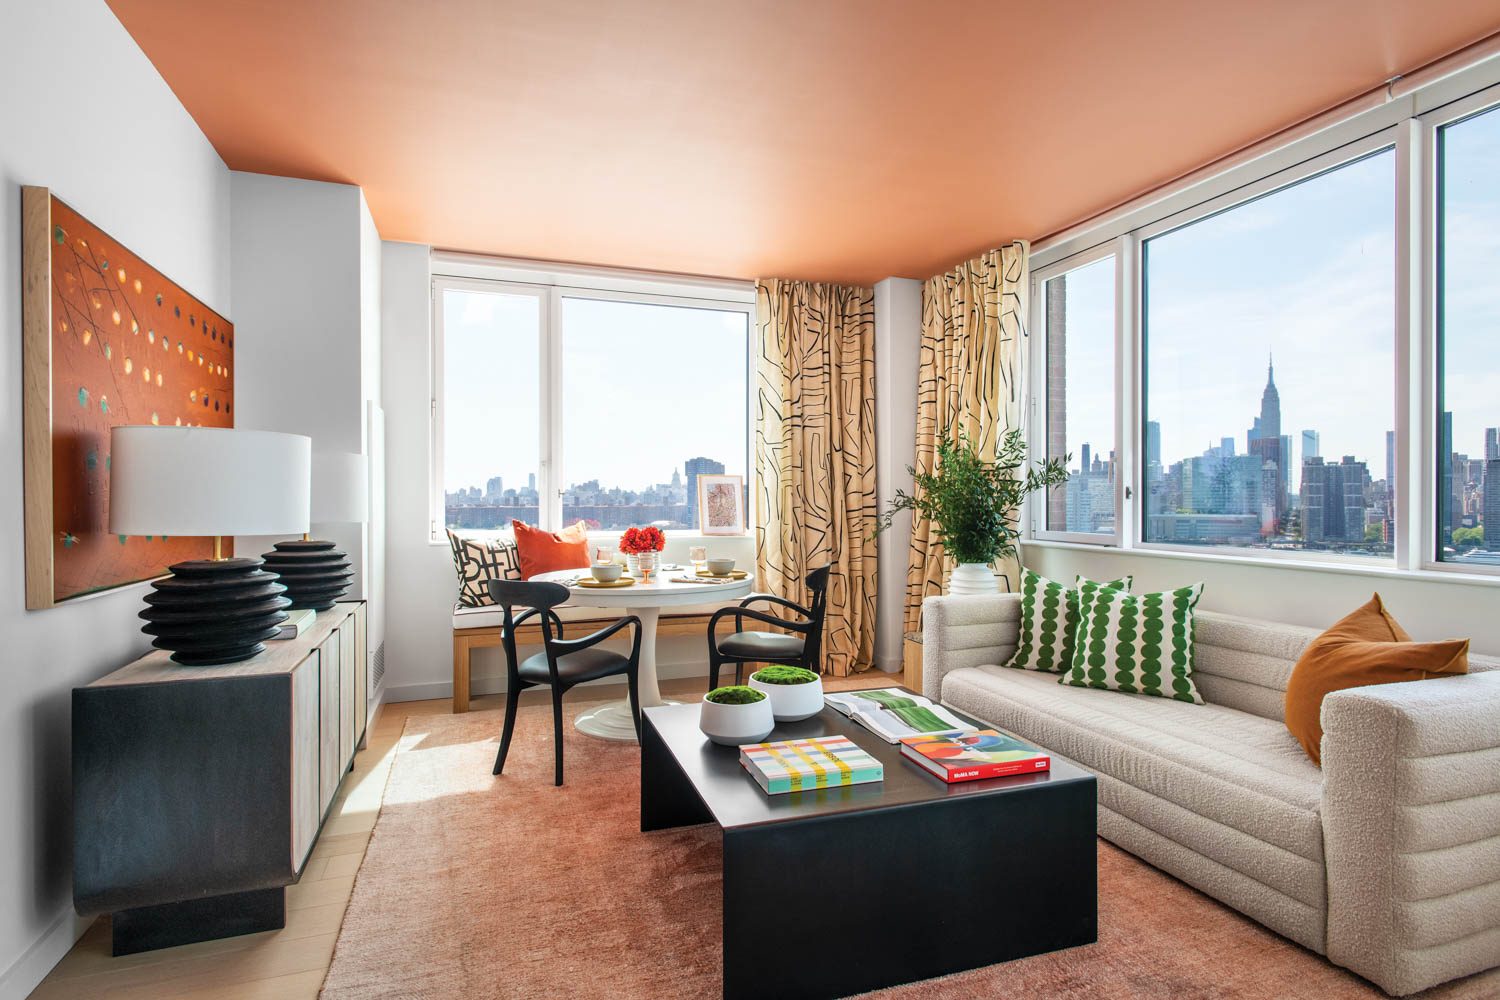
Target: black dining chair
[(739, 647), (562, 662)]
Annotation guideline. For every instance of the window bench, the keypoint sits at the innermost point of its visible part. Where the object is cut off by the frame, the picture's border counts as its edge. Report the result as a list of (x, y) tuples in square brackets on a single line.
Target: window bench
[(477, 628)]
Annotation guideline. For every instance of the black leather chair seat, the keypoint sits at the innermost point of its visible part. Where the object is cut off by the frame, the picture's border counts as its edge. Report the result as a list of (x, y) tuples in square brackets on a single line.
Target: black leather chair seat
[(761, 645), (573, 668)]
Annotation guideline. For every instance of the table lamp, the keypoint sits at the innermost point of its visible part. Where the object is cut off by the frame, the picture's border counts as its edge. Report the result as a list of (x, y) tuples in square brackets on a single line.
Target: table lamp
[(315, 573), (210, 481)]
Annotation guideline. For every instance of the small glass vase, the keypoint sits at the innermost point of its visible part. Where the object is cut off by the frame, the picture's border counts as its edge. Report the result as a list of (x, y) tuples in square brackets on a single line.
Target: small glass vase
[(646, 563)]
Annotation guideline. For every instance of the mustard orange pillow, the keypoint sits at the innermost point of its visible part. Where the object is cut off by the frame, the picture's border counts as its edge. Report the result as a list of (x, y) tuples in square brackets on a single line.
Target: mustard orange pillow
[(545, 551), (1365, 647)]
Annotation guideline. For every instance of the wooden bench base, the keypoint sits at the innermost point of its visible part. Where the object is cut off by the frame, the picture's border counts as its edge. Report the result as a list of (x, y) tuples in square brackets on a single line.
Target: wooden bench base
[(466, 640)]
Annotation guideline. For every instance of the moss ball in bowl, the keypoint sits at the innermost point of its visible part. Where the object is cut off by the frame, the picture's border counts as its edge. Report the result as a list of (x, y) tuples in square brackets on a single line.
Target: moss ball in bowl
[(795, 693), (781, 673), (735, 715)]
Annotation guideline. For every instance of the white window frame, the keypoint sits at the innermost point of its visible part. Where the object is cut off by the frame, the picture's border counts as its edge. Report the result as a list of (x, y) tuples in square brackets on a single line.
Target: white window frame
[(1408, 124), (1426, 218), (552, 283), (1041, 400)]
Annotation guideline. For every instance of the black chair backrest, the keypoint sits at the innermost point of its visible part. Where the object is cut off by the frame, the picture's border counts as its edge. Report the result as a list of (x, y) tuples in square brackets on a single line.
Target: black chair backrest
[(520, 593), (817, 583), (510, 594)]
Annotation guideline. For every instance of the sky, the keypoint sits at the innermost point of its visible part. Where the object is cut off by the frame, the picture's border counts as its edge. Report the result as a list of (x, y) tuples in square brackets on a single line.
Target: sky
[(1305, 274), (645, 387)]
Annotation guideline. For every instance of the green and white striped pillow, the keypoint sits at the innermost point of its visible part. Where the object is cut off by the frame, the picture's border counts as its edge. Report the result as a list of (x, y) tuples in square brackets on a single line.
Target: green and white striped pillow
[(1140, 643), (1049, 617)]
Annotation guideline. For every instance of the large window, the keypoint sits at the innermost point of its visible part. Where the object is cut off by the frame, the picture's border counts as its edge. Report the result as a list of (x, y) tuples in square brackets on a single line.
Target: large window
[(1269, 369), (1079, 311), (555, 404), (1468, 319)]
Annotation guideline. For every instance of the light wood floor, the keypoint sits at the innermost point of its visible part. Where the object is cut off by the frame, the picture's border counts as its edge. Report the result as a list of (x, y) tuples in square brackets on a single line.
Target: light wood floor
[(289, 964)]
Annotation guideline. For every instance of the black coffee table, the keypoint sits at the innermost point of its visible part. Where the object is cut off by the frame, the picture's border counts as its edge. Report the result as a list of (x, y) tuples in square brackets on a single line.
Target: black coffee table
[(837, 891)]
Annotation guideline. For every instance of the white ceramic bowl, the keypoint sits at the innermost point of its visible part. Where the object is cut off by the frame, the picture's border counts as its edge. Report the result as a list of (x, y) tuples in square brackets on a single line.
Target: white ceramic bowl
[(721, 566), (731, 725), (606, 572), (792, 702)]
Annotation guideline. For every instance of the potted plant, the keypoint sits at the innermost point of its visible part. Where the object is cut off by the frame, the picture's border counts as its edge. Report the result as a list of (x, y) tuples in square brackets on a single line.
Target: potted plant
[(641, 545), (974, 503), (733, 715), (795, 693)]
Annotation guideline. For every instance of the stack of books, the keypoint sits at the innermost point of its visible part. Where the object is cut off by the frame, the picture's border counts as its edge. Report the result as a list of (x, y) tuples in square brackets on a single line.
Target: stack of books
[(983, 753), (801, 765)]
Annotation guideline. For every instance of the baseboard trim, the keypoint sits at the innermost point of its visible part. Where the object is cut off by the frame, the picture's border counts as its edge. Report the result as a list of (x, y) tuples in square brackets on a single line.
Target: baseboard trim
[(27, 972)]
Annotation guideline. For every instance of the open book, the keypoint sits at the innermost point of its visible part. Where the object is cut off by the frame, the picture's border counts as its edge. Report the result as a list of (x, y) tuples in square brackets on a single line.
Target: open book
[(893, 714)]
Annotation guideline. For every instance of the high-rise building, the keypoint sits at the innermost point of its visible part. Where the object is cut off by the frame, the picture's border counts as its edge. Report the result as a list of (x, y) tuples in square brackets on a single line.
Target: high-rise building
[(1333, 500), (1492, 505), (1083, 462), (1310, 446), (1265, 440), (1491, 444), (692, 469), (531, 481), (494, 487), (1153, 443)]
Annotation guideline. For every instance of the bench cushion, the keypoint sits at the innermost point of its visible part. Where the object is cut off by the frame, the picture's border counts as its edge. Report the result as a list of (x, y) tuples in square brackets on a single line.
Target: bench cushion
[(493, 617)]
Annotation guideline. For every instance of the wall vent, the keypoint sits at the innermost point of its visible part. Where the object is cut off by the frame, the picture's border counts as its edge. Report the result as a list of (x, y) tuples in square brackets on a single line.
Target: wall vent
[(379, 664)]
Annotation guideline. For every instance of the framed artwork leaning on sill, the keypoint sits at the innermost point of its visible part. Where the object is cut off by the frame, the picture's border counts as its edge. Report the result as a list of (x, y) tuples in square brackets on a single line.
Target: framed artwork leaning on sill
[(721, 505)]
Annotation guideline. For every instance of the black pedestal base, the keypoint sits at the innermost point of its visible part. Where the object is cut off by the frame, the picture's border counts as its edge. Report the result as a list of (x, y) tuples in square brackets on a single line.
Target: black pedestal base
[(147, 928), (214, 611), (315, 573)]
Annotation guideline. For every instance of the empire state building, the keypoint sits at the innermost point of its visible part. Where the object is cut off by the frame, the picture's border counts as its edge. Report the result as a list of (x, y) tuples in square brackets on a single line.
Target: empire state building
[(1265, 441)]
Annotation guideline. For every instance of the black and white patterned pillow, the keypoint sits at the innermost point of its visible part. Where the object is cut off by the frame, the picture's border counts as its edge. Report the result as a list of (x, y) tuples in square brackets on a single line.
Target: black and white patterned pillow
[(479, 560)]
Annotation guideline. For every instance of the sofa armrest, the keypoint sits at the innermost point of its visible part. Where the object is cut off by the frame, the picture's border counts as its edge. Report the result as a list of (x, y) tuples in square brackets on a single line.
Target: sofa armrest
[(966, 632), (1411, 829)]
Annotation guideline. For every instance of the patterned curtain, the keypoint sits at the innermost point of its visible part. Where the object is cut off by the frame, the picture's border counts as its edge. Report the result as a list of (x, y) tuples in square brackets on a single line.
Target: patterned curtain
[(971, 375), (815, 455)]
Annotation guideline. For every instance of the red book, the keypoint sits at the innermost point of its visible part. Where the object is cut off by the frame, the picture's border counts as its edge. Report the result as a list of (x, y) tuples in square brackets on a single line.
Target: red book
[(970, 756)]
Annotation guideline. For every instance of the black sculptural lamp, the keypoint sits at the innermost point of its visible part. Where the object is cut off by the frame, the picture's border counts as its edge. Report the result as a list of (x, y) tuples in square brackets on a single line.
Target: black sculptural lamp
[(316, 573), (210, 481)]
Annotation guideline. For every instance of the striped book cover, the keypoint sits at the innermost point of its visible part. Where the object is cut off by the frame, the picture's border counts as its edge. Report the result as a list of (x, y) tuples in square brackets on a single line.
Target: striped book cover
[(799, 765)]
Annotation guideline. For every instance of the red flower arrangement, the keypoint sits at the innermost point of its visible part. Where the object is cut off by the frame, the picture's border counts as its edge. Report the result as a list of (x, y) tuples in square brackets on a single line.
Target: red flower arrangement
[(638, 540)]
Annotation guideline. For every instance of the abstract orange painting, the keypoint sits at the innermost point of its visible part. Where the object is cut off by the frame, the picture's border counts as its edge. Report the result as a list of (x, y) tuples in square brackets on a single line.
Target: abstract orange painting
[(110, 341)]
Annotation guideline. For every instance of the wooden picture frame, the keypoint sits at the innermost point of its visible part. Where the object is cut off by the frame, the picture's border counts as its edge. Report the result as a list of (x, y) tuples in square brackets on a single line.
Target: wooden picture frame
[(721, 505), (107, 341)]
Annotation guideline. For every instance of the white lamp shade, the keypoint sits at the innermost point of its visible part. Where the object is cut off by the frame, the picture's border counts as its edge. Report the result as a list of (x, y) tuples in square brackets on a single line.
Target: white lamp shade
[(208, 481), (340, 487)]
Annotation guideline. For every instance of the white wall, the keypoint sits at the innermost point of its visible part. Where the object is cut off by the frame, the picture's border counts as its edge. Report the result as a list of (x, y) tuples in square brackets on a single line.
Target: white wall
[(898, 338), (1428, 608), (87, 115), (306, 273), (422, 583)]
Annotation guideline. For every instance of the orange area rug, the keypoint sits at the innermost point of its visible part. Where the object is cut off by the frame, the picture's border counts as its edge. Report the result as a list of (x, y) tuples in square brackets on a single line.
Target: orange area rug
[(482, 887)]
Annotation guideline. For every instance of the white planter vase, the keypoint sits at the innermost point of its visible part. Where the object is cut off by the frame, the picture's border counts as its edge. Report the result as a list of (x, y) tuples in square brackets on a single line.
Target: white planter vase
[(792, 702), (732, 725), (970, 579)]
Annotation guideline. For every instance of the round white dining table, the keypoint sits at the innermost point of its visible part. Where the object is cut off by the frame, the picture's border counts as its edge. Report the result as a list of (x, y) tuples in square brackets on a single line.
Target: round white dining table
[(645, 601)]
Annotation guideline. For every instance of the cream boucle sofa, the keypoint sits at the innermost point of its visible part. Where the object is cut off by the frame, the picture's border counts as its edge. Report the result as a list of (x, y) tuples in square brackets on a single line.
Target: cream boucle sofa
[(1387, 859)]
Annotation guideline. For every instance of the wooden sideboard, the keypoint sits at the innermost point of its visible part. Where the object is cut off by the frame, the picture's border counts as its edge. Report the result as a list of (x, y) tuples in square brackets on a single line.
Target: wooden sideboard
[(198, 792)]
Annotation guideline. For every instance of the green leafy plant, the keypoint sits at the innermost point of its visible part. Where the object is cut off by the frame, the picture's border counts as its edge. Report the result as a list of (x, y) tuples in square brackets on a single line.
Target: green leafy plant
[(735, 695), (973, 501), (780, 673)]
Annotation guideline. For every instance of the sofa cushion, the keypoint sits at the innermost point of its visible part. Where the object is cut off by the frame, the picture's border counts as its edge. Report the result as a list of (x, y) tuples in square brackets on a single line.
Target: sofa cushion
[(1137, 644), (543, 551), (1049, 619), (1243, 773), (480, 560), (1366, 646)]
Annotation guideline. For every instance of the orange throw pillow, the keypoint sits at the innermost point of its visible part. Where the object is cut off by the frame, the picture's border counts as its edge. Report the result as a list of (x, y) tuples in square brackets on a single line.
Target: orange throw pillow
[(544, 551), (1366, 647)]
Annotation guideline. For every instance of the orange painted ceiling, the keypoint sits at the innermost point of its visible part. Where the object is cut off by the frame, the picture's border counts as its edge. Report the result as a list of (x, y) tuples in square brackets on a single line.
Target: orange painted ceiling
[(844, 140)]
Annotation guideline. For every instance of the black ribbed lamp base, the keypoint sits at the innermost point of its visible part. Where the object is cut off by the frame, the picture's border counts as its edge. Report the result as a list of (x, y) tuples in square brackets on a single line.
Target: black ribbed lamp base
[(315, 573), (215, 611)]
